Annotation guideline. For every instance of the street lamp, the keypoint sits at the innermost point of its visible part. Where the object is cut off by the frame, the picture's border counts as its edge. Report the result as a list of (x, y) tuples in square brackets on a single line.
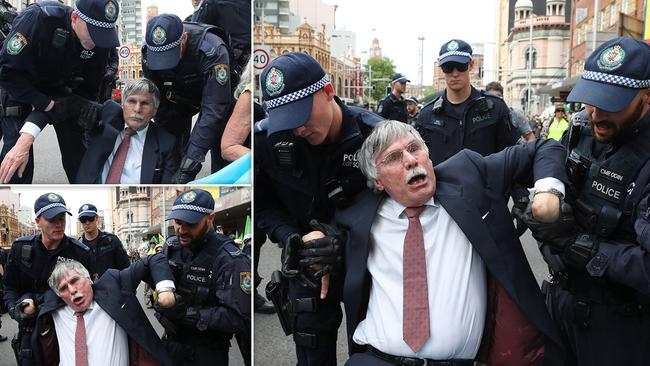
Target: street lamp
[(530, 63)]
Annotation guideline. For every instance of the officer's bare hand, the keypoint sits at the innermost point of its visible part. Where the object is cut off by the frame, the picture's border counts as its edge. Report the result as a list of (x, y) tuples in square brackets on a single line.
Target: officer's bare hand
[(546, 207), (325, 280), (16, 159), (166, 300)]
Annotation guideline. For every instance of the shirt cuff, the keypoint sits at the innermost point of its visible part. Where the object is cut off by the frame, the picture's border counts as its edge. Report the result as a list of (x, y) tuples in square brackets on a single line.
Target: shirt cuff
[(31, 128), (165, 284), (548, 183)]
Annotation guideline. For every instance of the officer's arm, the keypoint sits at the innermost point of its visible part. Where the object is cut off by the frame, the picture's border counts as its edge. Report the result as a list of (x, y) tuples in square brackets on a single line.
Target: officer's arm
[(233, 289), (121, 259), (509, 133), (624, 262), (383, 108), (206, 13), (153, 269), (215, 104), (11, 280)]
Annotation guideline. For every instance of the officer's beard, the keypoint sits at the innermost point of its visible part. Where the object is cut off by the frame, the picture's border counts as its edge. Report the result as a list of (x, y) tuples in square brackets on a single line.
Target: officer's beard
[(624, 131)]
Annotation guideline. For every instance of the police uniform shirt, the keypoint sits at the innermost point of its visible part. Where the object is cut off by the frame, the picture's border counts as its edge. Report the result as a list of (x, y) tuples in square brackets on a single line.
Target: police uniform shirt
[(456, 285), (214, 93), (42, 54), (393, 108), (133, 164)]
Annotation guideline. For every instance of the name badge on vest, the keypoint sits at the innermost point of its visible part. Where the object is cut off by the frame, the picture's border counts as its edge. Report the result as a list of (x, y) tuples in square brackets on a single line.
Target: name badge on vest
[(197, 275), (350, 160), (481, 118), (608, 185)]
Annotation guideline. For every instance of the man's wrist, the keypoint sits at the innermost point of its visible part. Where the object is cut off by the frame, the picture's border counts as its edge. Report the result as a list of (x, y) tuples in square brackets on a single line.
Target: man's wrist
[(554, 191)]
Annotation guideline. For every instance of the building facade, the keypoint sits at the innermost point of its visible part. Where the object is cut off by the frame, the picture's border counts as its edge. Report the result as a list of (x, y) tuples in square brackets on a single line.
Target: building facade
[(131, 22), (276, 13)]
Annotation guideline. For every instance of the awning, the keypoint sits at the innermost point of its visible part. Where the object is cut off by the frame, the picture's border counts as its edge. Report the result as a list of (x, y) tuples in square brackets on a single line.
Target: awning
[(559, 87)]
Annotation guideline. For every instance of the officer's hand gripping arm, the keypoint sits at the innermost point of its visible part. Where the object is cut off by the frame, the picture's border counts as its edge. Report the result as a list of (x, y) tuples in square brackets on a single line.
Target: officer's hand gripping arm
[(187, 171)]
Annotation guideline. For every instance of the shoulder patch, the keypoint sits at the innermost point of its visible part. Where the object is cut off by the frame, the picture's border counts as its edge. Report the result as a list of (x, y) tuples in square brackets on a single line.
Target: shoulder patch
[(232, 249), (380, 108), (16, 44), (245, 282), (222, 73)]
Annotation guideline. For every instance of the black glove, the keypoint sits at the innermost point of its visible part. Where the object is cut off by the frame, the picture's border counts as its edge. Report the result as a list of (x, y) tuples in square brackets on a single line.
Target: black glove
[(579, 253), (518, 210), (90, 121), (175, 312), (557, 235), (187, 172), (23, 319), (327, 251), (291, 262)]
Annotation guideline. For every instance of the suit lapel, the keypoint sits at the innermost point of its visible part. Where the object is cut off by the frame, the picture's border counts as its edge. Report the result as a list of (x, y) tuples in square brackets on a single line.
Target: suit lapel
[(149, 155), (467, 216)]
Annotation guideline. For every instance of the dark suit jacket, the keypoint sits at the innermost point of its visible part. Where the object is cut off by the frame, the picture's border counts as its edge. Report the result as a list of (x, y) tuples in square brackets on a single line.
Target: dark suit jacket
[(472, 188), (115, 292), (160, 157)]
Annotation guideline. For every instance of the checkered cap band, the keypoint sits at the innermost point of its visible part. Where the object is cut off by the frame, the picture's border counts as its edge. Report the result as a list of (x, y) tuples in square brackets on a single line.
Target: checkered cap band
[(454, 53), (291, 97), (94, 22), (192, 208), (615, 79), (88, 211), (45, 208), (165, 47)]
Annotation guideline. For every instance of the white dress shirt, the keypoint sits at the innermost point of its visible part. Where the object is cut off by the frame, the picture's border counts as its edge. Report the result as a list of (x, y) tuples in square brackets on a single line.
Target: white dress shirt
[(133, 163), (455, 279), (107, 342)]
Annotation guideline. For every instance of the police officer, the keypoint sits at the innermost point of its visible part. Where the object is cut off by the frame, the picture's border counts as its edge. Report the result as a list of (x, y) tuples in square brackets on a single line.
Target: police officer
[(306, 166), (190, 64), (52, 52), (463, 117), (213, 285), (600, 291), (234, 17), (393, 106), (412, 110), (107, 249), (30, 264)]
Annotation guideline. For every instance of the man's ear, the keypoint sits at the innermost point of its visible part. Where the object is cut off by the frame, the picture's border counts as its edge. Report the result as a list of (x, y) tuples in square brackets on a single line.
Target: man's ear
[(378, 185), (329, 91)]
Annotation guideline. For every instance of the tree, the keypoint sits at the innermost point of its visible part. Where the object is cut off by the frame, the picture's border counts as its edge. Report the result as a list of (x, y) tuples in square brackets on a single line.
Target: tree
[(382, 71)]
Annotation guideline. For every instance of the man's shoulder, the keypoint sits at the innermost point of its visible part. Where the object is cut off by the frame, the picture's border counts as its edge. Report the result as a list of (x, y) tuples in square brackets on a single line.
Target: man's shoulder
[(162, 134)]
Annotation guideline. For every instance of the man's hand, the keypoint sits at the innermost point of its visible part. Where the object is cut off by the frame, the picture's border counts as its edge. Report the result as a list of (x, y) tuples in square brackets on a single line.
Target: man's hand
[(24, 313), (28, 307), (16, 159), (166, 299), (558, 234), (546, 207)]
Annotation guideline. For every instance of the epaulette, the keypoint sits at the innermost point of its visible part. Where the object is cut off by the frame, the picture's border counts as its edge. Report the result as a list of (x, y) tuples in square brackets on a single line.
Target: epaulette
[(370, 119), (53, 10), (232, 249), (436, 104), (261, 126), (81, 245), (25, 238)]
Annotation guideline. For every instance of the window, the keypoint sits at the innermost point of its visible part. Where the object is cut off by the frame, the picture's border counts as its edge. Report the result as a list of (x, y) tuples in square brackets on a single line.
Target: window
[(531, 57), (624, 6), (612, 14)]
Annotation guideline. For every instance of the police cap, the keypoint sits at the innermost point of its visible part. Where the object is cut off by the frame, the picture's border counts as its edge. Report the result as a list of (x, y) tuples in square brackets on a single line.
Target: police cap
[(399, 78), (614, 73), (455, 50), (87, 210), (49, 205), (192, 205), (412, 99), (288, 84), (163, 41), (100, 17)]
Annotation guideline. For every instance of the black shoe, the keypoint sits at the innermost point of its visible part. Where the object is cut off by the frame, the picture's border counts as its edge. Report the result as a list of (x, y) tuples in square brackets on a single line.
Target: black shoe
[(262, 306), (2, 338)]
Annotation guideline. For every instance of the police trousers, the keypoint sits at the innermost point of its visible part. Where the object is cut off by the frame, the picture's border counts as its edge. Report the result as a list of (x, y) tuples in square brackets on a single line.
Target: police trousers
[(611, 337), (315, 323), (195, 355)]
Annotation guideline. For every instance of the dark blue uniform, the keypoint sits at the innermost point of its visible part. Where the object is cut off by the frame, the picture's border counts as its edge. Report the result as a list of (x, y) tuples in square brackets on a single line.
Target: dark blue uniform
[(481, 123), (287, 198), (213, 278), (28, 268), (393, 108), (199, 84), (108, 252), (42, 60)]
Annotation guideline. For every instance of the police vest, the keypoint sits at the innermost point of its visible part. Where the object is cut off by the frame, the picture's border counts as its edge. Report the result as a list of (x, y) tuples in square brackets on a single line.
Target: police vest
[(601, 205), (184, 85)]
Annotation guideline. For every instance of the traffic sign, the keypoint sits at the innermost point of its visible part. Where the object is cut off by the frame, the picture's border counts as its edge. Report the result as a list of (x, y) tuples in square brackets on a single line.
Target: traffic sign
[(261, 57), (125, 51)]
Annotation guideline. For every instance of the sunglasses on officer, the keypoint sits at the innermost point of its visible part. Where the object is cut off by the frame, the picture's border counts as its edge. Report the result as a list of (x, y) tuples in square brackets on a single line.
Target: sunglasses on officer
[(86, 219), (449, 67)]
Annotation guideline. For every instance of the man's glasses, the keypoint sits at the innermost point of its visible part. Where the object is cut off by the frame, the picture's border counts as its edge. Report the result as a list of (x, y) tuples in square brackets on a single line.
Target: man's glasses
[(449, 67), (84, 220), (395, 157)]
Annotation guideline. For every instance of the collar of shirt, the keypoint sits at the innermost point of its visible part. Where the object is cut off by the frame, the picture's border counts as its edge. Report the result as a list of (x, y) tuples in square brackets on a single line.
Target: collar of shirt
[(397, 209), (141, 134), (68, 310)]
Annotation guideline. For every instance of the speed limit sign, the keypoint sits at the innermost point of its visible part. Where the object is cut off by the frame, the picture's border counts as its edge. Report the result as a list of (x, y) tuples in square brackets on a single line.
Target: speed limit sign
[(124, 51), (261, 58)]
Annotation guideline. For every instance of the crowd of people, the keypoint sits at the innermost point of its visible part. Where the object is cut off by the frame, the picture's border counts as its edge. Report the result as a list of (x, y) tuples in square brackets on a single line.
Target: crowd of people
[(406, 222)]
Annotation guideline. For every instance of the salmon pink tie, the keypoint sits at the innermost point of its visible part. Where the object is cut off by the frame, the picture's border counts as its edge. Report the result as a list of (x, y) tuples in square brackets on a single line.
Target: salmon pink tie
[(80, 348), (416, 299)]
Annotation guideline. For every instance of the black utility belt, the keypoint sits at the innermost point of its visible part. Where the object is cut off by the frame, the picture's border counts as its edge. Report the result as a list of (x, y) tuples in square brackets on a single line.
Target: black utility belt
[(412, 361), (620, 298)]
